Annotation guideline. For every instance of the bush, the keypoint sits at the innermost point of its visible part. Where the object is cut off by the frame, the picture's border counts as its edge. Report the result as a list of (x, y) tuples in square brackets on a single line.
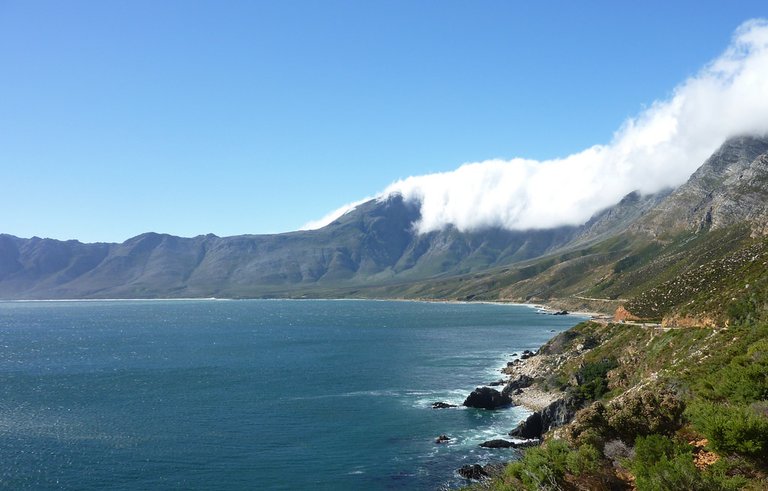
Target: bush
[(584, 460), (542, 468), (743, 380), (646, 412), (660, 464), (593, 383), (732, 429), (751, 307), (649, 411)]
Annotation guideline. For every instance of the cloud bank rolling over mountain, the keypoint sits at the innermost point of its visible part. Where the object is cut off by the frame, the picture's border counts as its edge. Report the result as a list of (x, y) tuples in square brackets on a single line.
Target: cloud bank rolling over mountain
[(659, 148)]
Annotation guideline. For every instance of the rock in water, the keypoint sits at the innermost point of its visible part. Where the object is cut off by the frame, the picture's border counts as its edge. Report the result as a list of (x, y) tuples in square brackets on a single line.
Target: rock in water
[(442, 439), (442, 405), (499, 443), (473, 471), (487, 398)]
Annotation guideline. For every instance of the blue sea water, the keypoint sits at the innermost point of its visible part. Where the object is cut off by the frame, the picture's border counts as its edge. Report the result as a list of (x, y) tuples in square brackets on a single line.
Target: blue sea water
[(252, 394)]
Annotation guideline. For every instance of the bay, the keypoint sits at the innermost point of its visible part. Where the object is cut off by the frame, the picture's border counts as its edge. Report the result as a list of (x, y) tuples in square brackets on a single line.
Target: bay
[(252, 394)]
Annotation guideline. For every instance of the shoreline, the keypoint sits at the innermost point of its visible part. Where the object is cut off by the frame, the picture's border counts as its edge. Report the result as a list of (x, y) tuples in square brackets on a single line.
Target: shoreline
[(543, 307)]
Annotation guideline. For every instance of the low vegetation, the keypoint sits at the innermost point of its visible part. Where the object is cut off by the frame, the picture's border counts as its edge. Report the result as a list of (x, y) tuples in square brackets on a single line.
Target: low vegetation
[(663, 409)]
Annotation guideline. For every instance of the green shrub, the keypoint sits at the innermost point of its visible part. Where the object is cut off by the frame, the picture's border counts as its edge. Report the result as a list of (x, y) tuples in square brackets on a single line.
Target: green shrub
[(673, 473), (660, 464), (542, 468), (751, 307), (732, 429), (649, 411), (652, 448), (592, 378), (743, 380), (584, 460), (718, 475)]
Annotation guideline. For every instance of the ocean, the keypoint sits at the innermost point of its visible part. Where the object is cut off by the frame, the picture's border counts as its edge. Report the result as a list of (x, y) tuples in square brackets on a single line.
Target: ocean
[(253, 394)]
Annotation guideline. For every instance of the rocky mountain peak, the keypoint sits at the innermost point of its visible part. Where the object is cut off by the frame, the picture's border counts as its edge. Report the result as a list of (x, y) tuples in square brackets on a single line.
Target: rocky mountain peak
[(730, 187)]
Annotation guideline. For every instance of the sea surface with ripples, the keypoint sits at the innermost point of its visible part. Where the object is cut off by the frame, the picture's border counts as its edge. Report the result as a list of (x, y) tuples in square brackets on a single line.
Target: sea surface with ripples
[(252, 394)]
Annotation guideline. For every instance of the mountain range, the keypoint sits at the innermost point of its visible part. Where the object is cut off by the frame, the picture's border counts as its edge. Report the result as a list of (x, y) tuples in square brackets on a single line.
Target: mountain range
[(616, 257)]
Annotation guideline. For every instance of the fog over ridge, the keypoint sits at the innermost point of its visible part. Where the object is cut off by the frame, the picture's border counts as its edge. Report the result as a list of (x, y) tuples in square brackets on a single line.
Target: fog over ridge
[(659, 148)]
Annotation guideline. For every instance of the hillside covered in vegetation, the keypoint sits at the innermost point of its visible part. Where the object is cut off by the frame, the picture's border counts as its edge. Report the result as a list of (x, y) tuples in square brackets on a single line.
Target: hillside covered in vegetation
[(660, 408)]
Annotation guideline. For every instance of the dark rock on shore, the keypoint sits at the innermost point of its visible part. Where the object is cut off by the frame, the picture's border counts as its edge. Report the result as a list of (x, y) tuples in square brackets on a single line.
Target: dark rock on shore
[(561, 312), (442, 405), (498, 443), (532, 427), (560, 412), (442, 439), (556, 414), (497, 383), (487, 398), (472, 471), (520, 382), (527, 354)]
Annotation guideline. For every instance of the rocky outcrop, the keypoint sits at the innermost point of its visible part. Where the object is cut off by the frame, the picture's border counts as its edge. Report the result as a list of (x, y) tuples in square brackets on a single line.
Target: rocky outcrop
[(622, 314), (532, 427), (515, 385), (730, 187), (560, 412), (688, 321), (487, 398), (472, 471), (442, 439), (527, 354), (556, 414)]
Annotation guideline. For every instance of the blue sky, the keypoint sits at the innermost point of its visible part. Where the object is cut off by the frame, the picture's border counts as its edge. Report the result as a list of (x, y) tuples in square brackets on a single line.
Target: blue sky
[(118, 118)]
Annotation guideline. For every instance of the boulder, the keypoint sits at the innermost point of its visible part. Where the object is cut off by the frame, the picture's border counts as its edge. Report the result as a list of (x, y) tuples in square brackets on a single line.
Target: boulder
[(527, 354), (497, 383), (442, 439), (520, 382), (442, 405), (487, 398), (472, 471), (498, 443), (532, 427)]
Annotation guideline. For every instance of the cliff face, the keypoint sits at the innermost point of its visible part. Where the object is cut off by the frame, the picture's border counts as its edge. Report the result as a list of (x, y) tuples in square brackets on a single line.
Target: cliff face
[(730, 187)]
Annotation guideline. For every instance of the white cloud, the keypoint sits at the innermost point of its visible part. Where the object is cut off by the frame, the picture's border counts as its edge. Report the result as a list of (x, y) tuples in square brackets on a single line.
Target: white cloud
[(333, 215), (661, 147)]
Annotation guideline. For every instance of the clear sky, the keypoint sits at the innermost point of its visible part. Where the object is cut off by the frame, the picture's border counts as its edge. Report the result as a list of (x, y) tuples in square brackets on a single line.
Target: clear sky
[(184, 117)]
